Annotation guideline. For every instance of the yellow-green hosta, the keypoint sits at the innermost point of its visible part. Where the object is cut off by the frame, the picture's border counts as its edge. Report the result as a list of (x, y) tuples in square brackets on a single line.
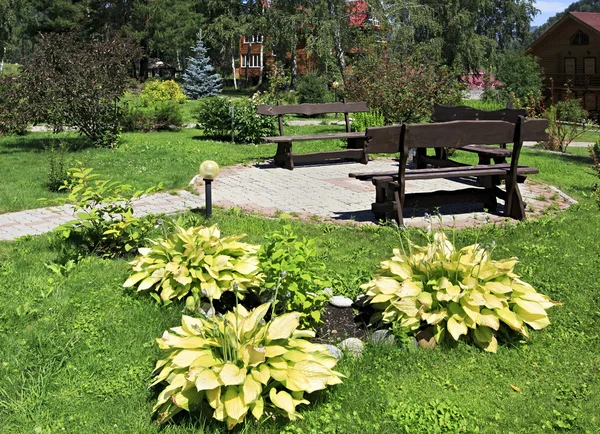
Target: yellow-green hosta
[(195, 261), (239, 364), (462, 292)]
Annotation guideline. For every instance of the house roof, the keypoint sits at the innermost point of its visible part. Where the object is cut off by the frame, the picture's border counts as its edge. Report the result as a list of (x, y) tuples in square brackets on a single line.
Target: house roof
[(591, 20)]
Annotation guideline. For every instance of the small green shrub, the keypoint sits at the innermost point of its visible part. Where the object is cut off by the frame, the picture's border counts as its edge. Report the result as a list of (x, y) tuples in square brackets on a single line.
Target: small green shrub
[(157, 108), (362, 121), (105, 224), (167, 90), (214, 115), (294, 276), (312, 89), (249, 126), (595, 156), (567, 121), (240, 364), (57, 172), (15, 113), (462, 292), (195, 263)]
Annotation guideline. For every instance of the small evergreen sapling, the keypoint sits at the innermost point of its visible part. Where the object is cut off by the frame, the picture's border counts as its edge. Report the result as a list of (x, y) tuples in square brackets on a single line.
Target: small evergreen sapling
[(198, 77)]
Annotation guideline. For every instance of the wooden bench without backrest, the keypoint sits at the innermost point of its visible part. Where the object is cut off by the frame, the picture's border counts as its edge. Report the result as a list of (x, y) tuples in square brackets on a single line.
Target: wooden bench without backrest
[(356, 142), (390, 197)]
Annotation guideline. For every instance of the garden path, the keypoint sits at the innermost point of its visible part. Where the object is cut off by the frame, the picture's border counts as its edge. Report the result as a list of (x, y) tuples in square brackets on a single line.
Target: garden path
[(316, 192)]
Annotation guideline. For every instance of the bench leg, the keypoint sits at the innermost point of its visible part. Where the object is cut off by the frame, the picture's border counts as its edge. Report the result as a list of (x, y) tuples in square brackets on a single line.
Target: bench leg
[(359, 144), (419, 153), (398, 200), (380, 197), (283, 157), (488, 182), (514, 206)]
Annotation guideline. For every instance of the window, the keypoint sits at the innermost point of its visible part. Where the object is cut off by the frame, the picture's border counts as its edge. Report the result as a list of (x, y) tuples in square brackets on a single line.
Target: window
[(580, 38), (253, 39), (590, 101), (589, 65), (570, 65), (254, 61)]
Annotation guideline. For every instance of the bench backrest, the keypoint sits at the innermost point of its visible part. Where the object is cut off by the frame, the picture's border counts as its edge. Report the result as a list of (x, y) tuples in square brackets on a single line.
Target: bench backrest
[(384, 140), (456, 134), (442, 113), (312, 109)]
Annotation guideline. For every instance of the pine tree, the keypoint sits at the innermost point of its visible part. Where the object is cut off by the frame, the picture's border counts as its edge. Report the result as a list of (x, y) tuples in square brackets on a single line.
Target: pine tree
[(199, 81)]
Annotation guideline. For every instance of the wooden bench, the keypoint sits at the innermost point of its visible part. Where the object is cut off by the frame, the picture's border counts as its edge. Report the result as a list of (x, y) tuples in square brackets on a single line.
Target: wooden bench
[(486, 154), (390, 197), (356, 142)]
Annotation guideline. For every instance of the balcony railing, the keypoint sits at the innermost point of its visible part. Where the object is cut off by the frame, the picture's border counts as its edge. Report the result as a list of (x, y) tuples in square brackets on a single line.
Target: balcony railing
[(574, 81)]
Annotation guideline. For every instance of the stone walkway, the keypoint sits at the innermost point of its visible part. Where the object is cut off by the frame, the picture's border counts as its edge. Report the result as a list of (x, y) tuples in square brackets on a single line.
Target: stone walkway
[(325, 192), (315, 192)]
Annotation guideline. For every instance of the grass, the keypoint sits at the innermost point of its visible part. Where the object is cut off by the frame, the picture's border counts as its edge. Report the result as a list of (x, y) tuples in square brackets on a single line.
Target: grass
[(142, 159), (77, 350)]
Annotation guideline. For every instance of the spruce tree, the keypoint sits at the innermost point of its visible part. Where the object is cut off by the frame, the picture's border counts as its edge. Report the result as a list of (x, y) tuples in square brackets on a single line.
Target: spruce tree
[(199, 80)]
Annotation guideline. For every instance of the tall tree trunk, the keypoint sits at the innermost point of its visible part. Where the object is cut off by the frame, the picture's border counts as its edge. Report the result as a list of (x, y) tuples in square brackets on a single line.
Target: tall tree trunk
[(144, 61), (248, 63), (294, 68), (262, 68), (179, 60), (2, 61), (337, 41), (233, 69)]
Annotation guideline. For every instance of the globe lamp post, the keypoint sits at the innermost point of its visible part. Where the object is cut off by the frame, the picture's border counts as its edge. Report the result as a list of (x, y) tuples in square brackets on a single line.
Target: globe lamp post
[(208, 171)]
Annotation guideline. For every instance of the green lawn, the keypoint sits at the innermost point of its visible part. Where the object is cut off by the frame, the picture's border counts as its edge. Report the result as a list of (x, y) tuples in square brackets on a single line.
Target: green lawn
[(77, 350), (142, 159)]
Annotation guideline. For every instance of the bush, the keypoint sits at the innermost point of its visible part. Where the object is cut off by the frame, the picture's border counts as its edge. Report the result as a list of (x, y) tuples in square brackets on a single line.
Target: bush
[(595, 155), (402, 90), (57, 174), (159, 115), (249, 126), (167, 90), (567, 121), (363, 120), (312, 89), (240, 364), (15, 113), (105, 224), (214, 115), (521, 76), (462, 292), (68, 82), (294, 276), (195, 263)]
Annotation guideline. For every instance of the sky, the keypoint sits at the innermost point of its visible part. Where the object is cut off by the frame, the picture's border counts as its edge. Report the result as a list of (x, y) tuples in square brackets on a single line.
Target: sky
[(549, 9)]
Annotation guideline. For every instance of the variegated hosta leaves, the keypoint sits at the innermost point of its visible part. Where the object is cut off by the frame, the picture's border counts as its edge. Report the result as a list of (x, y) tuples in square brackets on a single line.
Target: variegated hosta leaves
[(459, 291), (239, 364), (196, 261)]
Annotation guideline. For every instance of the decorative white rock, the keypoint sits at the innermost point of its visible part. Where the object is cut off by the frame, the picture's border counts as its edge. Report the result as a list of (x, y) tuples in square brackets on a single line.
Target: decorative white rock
[(361, 300), (383, 337), (353, 345), (335, 351), (340, 301)]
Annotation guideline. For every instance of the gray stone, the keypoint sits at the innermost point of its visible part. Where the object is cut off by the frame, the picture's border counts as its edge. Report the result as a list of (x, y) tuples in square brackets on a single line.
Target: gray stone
[(383, 337), (335, 351), (361, 300), (353, 345), (340, 301)]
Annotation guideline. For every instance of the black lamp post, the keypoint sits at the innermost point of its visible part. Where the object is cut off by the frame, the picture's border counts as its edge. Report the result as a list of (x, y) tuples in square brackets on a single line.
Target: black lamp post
[(208, 171)]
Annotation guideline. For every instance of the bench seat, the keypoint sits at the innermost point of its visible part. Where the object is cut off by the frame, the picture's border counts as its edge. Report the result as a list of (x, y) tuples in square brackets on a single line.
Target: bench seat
[(329, 136), (448, 172)]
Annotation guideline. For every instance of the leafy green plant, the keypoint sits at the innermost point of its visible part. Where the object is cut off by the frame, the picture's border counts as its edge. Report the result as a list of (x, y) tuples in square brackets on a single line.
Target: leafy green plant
[(463, 292), (362, 121), (568, 120), (240, 364), (214, 115), (249, 126), (312, 89), (105, 223), (57, 171), (594, 152), (294, 276), (168, 90), (15, 113), (195, 263)]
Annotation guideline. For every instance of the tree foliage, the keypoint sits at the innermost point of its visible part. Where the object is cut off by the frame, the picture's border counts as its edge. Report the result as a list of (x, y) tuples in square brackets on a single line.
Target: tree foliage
[(69, 82), (200, 81)]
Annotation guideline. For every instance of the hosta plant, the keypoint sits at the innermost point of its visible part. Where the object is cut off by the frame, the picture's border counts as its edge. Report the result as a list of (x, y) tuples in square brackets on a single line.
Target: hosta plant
[(195, 263), (462, 292), (240, 364)]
